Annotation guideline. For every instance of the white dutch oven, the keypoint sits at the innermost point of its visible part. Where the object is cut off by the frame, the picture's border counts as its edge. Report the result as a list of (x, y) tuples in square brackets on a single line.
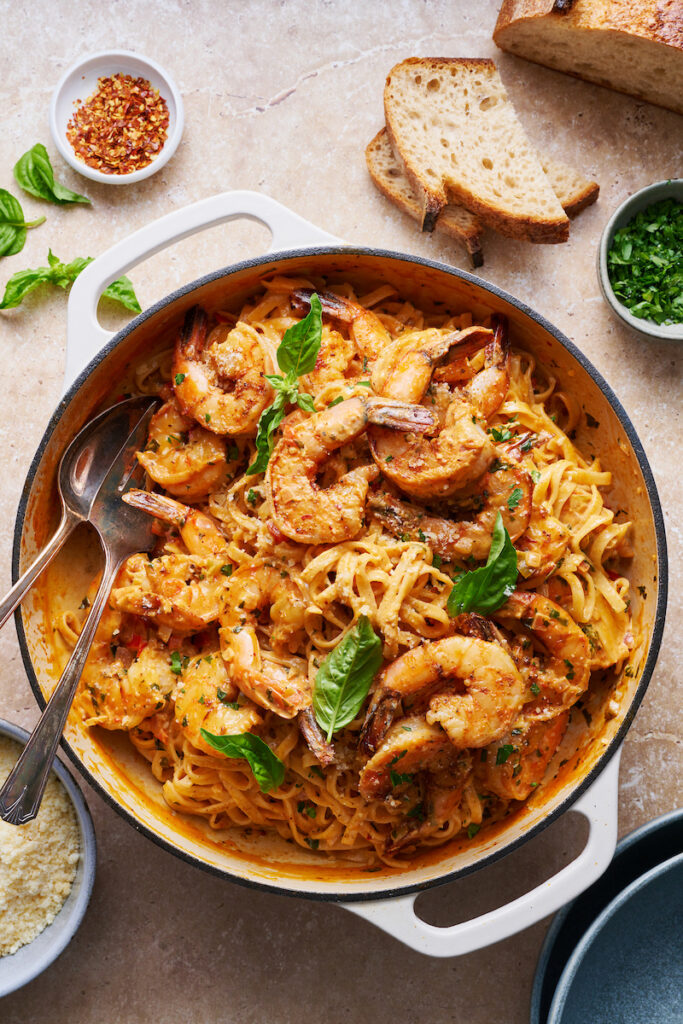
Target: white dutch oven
[(587, 781)]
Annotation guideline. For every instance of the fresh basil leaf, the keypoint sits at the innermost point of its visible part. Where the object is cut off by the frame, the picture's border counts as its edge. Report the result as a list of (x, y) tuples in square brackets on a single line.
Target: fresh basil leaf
[(21, 283), (344, 678), (122, 291), (487, 588), (298, 350), (33, 171), (267, 768), (305, 402), (63, 275), (12, 224), (269, 421)]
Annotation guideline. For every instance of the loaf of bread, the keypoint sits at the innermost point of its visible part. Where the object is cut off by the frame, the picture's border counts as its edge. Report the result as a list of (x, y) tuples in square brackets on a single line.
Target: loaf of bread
[(633, 46), (451, 123)]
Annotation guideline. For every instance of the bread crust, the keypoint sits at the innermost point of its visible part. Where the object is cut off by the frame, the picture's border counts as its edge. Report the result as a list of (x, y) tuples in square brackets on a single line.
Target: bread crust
[(547, 230), (657, 22)]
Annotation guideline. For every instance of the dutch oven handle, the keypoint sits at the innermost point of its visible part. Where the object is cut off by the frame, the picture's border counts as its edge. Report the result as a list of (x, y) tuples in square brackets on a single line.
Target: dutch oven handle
[(599, 804), (85, 336)]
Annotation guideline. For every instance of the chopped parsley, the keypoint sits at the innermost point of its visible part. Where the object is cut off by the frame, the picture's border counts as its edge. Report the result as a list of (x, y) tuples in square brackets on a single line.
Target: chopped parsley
[(645, 266), (515, 498), (500, 435), (252, 496), (227, 569), (504, 752), (472, 830), (179, 378), (176, 663)]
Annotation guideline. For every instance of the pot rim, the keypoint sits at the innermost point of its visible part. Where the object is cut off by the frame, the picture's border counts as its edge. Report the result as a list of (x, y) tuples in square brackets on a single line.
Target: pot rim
[(653, 497)]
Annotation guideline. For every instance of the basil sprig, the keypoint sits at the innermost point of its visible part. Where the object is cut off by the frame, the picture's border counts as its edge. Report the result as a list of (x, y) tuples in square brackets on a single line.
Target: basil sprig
[(266, 767), (63, 275), (343, 680), (296, 356), (485, 589), (12, 224), (33, 171)]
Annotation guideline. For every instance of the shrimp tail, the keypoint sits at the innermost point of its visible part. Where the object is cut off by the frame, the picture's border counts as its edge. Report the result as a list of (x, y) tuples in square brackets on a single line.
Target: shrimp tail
[(315, 740), (194, 330), (378, 720), (332, 305), (396, 415)]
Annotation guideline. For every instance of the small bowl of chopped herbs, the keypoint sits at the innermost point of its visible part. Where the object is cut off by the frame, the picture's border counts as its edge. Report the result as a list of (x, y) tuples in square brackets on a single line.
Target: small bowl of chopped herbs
[(640, 261)]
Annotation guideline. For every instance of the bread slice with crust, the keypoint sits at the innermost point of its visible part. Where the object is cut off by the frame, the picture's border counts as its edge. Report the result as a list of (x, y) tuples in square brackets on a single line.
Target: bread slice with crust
[(388, 174), (573, 190), (633, 47), (450, 121)]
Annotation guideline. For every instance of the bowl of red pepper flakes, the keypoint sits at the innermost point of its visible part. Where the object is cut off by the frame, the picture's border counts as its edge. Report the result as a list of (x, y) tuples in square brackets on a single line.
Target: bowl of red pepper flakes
[(116, 117)]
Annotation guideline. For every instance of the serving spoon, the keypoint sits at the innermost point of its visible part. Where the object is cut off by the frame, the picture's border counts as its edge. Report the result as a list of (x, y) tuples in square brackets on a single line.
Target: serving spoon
[(82, 469), (123, 531)]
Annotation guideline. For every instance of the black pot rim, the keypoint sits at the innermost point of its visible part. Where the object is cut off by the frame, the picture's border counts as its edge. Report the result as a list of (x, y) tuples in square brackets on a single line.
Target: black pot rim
[(662, 581)]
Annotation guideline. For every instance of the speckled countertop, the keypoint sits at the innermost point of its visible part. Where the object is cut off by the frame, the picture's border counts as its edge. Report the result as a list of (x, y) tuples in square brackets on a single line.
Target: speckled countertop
[(282, 97)]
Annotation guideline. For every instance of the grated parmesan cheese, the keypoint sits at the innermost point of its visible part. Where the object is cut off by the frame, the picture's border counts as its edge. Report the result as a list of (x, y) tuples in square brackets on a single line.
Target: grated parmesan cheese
[(37, 861)]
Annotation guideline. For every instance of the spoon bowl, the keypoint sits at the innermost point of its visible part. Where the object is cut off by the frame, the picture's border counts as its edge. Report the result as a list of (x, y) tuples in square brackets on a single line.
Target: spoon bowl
[(82, 469)]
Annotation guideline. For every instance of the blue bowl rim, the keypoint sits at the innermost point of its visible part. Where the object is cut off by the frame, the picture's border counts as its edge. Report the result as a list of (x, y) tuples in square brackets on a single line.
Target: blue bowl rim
[(583, 946), (282, 256), (88, 859)]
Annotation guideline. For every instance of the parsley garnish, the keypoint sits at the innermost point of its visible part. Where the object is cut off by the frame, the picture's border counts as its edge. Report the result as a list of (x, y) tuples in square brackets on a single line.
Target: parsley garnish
[(644, 263), (176, 664), (515, 498)]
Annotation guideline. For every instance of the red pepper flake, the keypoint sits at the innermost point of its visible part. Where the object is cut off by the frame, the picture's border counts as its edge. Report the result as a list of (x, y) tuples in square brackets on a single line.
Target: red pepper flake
[(121, 127)]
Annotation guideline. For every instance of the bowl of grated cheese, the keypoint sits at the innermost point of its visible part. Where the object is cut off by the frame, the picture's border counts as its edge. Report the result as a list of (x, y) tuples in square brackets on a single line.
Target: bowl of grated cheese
[(47, 869)]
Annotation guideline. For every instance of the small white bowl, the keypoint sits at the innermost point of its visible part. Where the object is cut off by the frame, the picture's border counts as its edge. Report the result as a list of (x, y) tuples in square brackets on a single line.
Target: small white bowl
[(647, 196), (80, 82), (31, 960)]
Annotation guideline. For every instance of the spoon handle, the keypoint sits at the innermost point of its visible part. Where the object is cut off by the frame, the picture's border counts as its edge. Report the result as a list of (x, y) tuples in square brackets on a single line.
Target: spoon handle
[(22, 792), (25, 582)]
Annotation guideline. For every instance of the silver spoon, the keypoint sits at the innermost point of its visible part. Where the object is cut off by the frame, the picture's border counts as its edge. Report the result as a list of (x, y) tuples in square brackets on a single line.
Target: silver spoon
[(124, 531), (82, 469)]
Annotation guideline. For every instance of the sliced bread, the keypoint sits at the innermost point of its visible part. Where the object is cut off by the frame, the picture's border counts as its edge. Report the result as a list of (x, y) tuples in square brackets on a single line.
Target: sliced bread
[(386, 170), (450, 121), (633, 47), (388, 174)]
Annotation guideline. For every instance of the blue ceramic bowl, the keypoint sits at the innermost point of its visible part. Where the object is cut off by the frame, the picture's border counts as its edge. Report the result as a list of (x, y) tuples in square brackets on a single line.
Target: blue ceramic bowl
[(628, 967), (29, 961), (636, 853)]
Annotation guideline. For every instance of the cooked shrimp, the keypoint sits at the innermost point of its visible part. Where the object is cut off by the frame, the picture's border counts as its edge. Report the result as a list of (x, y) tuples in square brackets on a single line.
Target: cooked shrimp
[(200, 532), (507, 491), (334, 361), (437, 467), (276, 683), (185, 459), (366, 329), (563, 675), (444, 791), (123, 682), (493, 691), (526, 754), (404, 369), (184, 593), (220, 380), (302, 510), (412, 745), (206, 698)]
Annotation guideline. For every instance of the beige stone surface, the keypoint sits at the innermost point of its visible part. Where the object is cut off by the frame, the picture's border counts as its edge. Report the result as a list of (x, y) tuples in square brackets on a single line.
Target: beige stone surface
[(282, 97)]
